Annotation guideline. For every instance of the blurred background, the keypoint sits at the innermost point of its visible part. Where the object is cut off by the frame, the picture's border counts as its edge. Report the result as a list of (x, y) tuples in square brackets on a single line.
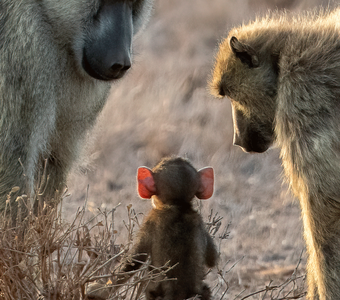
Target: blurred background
[(163, 107)]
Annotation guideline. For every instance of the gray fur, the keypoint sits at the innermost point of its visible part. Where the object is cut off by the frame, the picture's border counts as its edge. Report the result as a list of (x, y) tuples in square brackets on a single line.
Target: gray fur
[(48, 102), (292, 97)]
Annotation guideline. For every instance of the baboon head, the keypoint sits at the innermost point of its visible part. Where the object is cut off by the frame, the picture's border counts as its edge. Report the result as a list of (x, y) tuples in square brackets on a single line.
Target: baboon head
[(247, 75), (174, 181)]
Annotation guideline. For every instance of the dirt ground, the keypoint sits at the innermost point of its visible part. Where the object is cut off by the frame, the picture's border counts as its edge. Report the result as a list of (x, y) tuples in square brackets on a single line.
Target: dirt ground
[(163, 107)]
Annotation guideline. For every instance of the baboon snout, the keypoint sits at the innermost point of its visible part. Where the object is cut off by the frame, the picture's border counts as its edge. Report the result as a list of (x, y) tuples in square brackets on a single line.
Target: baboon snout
[(104, 65), (250, 133), (107, 53), (252, 142)]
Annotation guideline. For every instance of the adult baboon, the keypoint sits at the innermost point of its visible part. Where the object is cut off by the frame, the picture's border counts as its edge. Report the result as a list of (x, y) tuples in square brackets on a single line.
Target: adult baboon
[(57, 62), (173, 231), (282, 75)]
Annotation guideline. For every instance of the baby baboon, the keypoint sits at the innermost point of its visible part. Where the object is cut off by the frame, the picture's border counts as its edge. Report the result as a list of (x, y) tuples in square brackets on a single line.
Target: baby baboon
[(282, 75), (57, 62), (173, 231)]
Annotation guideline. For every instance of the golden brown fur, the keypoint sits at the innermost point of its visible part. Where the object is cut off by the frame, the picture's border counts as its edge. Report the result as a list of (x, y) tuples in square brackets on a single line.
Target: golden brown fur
[(282, 75), (174, 232)]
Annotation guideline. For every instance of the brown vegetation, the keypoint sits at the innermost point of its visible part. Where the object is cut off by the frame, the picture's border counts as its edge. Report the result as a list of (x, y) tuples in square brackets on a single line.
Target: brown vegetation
[(78, 261)]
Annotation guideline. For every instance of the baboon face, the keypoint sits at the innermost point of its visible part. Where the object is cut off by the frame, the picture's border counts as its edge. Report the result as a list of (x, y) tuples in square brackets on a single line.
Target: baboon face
[(249, 79), (99, 33)]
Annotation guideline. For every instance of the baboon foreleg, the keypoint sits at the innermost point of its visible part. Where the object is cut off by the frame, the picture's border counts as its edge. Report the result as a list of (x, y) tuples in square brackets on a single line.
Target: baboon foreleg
[(55, 165), (9, 177), (314, 265), (51, 181), (322, 233)]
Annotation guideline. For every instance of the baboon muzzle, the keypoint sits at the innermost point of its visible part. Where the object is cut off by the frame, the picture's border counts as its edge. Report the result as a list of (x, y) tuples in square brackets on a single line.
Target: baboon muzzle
[(252, 143), (250, 134), (107, 53)]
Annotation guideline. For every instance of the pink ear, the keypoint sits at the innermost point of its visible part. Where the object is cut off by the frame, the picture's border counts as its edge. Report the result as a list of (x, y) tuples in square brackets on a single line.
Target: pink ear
[(206, 188), (146, 183)]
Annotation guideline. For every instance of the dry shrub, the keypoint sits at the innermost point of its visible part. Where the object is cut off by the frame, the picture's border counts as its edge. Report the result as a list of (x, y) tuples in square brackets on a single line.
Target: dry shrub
[(43, 257), (292, 288)]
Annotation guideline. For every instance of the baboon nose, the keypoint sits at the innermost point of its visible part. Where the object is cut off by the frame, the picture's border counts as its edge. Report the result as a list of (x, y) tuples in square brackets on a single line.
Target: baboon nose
[(118, 70), (105, 69)]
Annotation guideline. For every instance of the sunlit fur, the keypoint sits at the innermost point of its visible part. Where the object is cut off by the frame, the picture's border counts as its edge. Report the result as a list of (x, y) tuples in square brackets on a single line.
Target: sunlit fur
[(296, 87)]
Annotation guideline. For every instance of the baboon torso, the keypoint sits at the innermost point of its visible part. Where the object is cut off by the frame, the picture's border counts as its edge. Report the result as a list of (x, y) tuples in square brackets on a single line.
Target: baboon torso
[(282, 75)]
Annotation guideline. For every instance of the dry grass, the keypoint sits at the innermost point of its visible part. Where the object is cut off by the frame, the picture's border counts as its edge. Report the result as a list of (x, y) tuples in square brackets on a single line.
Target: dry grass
[(45, 258)]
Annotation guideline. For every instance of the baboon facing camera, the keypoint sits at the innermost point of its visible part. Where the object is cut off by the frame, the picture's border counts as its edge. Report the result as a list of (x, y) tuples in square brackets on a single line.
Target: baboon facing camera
[(58, 60), (173, 231), (282, 75)]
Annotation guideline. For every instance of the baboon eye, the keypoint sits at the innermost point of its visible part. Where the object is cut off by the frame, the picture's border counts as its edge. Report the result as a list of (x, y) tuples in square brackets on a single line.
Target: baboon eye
[(221, 90), (224, 90)]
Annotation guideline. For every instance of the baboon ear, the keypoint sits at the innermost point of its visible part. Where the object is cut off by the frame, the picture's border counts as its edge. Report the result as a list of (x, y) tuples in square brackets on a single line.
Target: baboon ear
[(146, 183), (244, 52), (206, 188)]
